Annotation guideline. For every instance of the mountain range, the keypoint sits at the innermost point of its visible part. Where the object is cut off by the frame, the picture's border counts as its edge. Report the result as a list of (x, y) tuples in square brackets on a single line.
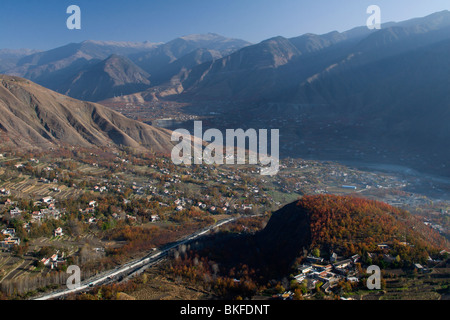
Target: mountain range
[(369, 95), (383, 94), (284, 65), (97, 70)]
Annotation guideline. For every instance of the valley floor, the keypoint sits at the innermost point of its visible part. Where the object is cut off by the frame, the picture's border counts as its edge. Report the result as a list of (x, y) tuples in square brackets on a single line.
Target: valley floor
[(102, 200)]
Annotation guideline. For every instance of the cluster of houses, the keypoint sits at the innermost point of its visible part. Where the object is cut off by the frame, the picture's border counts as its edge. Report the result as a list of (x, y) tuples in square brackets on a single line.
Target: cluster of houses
[(4, 192), (253, 191), (223, 205), (435, 226), (182, 203), (329, 273), (100, 189), (10, 239), (47, 181), (53, 261), (90, 210), (43, 214), (173, 195), (50, 212)]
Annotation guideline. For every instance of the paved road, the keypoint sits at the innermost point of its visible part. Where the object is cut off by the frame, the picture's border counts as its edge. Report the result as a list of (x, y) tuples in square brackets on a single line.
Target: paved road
[(132, 267)]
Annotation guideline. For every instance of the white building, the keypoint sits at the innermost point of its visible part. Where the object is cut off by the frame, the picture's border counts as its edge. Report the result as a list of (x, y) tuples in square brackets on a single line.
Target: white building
[(47, 200), (58, 232)]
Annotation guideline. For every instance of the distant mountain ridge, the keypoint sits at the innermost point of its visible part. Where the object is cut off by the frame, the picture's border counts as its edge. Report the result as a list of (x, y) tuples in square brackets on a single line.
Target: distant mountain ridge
[(9, 58), (307, 56), (167, 53), (113, 76), (59, 68), (383, 94)]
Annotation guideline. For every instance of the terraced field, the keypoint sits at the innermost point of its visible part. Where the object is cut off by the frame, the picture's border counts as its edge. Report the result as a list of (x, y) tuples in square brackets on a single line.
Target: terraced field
[(29, 187), (433, 286), (22, 268), (92, 170), (8, 266)]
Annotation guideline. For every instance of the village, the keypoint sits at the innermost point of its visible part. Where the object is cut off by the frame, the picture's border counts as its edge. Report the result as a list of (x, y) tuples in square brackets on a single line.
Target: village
[(329, 276), (102, 190)]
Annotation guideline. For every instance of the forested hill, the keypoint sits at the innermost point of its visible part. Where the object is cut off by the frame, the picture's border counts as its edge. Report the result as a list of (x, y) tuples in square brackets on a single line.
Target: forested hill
[(348, 225)]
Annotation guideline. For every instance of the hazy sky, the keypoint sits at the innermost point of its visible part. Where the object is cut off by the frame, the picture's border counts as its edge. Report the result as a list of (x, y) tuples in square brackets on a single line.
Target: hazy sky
[(41, 24)]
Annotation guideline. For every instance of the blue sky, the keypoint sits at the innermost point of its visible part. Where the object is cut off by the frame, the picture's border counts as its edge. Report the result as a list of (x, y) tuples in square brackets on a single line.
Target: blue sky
[(41, 24)]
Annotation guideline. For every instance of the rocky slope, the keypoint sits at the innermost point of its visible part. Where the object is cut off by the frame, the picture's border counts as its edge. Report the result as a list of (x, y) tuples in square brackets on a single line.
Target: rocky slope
[(33, 116)]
